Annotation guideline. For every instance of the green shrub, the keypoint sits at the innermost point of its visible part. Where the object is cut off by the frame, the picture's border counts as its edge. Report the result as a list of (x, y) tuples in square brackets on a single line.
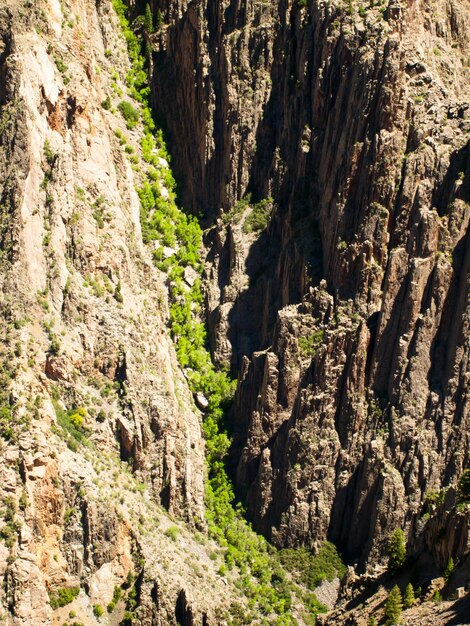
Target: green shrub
[(68, 515), (311, 569), (98, 610), (117, 593), (172, 532), (435, 497), (127, 619), (116, 597), (77, 417), (106, 104), (49, 154), (259, 217), (98, 215), (129, 113), (61, 66), (71, 423), (63, 596), (54, 345), (236, 212), (308, 345), (6, 430), (11, 528)]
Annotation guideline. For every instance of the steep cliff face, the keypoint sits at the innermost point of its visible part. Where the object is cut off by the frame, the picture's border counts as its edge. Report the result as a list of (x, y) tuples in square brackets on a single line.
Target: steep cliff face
[(90, 388), (347, 317), (326, 147)]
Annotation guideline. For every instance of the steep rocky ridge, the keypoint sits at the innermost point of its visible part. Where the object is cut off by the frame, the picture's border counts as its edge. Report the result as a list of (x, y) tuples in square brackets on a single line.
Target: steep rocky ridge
[(73, 178), (347, 318), (101, 442)]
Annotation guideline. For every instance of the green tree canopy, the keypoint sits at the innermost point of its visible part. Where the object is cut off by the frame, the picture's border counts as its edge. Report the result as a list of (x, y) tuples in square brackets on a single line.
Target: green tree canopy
[(396, 550), (408, 596), (393, 607)]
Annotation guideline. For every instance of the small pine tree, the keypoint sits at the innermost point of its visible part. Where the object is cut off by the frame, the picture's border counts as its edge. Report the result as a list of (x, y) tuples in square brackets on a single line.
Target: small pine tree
[(408, 596), (372, 621), (464, 487), (396, 550), (393, 607), (148, 19), (158, 20), (449, 569), (437, 597)]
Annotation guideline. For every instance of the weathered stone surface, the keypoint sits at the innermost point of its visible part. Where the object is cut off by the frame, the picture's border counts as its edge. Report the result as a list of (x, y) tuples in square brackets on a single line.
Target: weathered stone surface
[(84, 340), (357, 125), (346, 318)]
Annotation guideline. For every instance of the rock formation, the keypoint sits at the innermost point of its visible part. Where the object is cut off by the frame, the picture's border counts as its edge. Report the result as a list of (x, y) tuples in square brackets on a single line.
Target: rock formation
[(347, 318), (84, 316), (324, 144)]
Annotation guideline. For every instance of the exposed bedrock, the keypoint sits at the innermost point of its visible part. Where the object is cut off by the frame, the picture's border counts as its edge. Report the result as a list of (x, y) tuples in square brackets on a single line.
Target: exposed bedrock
[(347, 318)]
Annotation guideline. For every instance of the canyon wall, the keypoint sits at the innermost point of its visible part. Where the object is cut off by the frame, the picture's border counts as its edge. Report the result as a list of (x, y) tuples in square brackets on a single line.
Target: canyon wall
[(324, 146), (100, 439), (347, 317)]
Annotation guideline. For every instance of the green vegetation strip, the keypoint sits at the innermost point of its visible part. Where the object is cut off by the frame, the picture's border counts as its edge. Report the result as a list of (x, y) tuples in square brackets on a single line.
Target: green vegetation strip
[(177, 241)]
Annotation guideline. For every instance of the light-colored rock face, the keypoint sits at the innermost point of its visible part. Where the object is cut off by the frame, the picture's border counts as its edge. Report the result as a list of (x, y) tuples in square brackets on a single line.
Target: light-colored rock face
[(84, 317), (352, 404)]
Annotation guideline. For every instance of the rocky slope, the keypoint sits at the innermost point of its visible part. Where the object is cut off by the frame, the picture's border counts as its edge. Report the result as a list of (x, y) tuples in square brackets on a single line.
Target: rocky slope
[(101, 441), (347, 318)]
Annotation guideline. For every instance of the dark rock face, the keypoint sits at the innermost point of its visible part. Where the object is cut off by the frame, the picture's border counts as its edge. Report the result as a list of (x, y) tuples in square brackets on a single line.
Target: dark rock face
[(347, 319)]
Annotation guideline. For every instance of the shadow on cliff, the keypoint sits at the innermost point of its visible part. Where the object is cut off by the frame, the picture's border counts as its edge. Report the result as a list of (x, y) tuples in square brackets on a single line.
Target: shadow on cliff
[(280, 266), (460, 612), (4, 54), (253, 312), (383, 354), (288, 256), (459, 169), (344, 531), (443, 350), (449, 335)]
